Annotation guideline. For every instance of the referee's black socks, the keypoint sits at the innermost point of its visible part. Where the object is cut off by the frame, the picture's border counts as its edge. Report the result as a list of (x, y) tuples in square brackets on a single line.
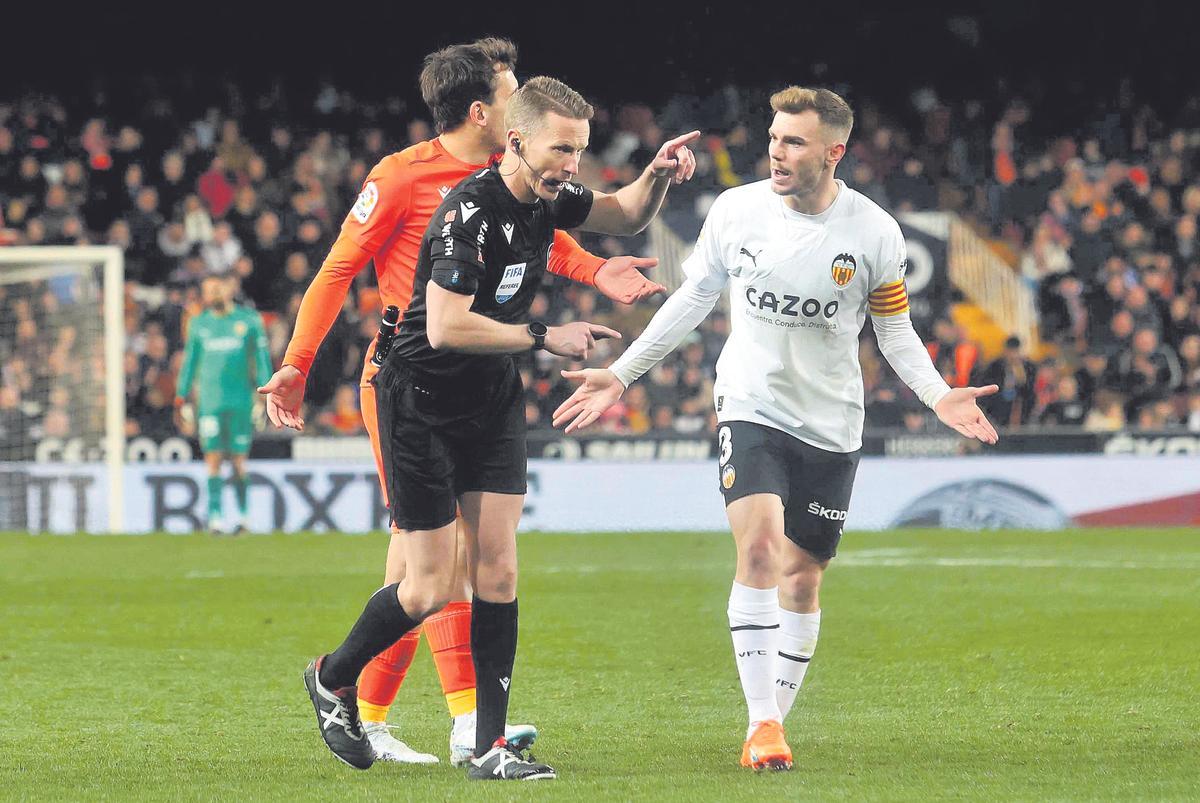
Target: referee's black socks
[(381, 624), (493, 646)]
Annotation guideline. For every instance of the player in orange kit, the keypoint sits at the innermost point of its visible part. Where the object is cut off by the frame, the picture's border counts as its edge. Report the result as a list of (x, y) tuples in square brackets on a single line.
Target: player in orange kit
[(466, 88)]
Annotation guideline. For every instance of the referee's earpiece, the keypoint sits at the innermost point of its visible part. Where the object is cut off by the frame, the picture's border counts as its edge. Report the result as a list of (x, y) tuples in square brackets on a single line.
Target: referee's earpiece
[(516, 143)]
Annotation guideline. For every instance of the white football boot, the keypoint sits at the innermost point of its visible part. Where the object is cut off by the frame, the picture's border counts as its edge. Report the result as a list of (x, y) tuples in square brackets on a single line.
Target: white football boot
[(389, 748)]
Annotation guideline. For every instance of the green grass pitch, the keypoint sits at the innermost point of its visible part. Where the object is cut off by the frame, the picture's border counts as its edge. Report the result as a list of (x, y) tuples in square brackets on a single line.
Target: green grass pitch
[(1027, 666)]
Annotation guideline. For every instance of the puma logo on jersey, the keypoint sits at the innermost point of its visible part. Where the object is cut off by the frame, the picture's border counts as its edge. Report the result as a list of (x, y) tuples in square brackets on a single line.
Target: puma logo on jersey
[(753, 257)]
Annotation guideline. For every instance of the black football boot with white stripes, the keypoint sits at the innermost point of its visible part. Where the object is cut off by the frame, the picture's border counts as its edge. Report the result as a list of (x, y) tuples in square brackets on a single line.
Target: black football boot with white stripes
[(338, 720), (503, 763)]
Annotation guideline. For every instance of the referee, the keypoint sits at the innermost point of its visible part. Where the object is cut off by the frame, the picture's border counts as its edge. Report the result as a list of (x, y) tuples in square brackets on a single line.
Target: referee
[(451, 403)]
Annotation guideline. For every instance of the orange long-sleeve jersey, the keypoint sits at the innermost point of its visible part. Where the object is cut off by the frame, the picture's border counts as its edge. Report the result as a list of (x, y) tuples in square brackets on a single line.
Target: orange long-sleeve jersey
[(387, 223)]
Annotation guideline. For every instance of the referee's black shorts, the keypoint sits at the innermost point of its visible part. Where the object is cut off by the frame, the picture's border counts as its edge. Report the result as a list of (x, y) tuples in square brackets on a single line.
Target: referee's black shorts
[(439, 442), (814, 484)]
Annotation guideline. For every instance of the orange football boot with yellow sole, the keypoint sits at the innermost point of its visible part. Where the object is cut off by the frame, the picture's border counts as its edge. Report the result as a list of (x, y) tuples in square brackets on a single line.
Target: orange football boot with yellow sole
[(766, 748)]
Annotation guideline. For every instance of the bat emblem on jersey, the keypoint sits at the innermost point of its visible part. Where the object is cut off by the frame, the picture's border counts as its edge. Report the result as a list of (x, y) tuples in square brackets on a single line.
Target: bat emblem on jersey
[(843, 269), (753, 257)]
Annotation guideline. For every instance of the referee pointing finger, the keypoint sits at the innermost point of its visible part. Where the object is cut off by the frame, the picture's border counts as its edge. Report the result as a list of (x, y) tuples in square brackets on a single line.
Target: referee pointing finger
[(451, 403)]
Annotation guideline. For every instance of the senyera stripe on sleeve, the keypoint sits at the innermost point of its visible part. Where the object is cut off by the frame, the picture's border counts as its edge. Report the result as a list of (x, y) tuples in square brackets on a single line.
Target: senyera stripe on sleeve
[(889, 299)]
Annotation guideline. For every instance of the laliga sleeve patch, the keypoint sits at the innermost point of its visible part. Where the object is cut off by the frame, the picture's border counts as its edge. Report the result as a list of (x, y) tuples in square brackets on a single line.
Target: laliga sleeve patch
[(368, 199)]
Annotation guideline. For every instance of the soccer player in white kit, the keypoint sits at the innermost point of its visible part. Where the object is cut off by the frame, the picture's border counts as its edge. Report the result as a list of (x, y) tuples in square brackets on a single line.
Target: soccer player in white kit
[(805, 257)]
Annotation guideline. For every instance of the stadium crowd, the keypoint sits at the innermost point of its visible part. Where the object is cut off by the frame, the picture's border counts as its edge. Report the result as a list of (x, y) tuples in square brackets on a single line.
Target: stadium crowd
[(1101, 220)]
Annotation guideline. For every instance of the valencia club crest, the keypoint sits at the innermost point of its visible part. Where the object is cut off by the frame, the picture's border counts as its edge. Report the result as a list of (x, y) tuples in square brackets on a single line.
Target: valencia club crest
[(843, 269)]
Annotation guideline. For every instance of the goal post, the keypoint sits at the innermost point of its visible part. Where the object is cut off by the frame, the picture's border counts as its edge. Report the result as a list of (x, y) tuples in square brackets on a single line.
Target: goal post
[(85, 287)]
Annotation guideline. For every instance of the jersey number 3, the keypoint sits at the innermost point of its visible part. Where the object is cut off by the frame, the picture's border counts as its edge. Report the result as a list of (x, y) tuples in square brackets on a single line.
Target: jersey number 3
[(725, 443)]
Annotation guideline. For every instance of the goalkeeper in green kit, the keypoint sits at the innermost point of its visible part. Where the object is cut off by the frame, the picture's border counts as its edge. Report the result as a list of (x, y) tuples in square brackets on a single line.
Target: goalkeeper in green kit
[(226, 357)]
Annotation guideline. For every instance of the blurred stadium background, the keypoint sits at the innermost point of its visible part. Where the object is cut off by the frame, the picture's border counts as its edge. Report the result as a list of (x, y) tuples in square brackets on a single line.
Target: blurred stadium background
[(1043, 162), (1050, 200)]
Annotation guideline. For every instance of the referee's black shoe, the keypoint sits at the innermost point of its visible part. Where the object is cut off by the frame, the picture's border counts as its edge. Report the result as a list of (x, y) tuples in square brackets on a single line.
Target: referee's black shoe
[(503, 763), (338, 720)]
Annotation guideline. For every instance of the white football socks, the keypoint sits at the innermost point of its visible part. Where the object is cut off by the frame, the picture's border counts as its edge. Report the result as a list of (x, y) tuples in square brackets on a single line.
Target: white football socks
[(754, 626), (796, 644)]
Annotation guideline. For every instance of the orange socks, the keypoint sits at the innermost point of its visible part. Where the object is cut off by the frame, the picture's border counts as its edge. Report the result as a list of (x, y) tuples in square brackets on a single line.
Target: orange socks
[(449, 635), (379, 682)]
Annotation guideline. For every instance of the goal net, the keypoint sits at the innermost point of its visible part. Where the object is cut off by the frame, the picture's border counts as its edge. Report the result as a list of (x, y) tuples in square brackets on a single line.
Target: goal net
[(62, 389)]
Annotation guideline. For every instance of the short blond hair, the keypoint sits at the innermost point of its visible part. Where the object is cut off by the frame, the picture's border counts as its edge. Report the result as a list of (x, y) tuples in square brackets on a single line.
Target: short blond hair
[(528, 106), (832, 109)]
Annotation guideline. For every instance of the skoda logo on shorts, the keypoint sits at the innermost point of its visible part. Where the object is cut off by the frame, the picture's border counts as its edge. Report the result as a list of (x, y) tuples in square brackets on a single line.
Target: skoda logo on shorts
[(728, 477)]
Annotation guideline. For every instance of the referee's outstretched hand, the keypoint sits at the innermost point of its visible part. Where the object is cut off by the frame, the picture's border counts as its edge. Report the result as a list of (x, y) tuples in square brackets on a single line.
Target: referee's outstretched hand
[(576, 340), (958, 410), (285, 393), (600, 389)]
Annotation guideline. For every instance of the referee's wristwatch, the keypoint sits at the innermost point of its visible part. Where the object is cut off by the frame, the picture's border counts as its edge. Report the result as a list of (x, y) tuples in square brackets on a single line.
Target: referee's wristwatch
[(537, 330)]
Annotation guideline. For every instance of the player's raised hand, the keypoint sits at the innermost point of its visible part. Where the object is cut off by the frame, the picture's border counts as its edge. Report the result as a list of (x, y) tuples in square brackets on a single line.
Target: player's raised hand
[(676, 159), (576, 340), (621, 279), (285, 393), (600, 389), (958, 410)]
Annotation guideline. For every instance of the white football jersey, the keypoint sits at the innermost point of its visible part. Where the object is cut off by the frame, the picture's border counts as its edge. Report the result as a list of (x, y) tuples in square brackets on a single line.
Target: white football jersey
[(800, 289)]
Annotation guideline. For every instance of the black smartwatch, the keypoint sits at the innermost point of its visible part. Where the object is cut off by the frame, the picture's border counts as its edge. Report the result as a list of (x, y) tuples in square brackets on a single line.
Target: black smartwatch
[(537, 330)]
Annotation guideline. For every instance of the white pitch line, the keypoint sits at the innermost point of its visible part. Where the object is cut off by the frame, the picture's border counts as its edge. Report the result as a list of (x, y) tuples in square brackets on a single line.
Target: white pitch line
[(1016, 563), (859, 559), (197, 574)]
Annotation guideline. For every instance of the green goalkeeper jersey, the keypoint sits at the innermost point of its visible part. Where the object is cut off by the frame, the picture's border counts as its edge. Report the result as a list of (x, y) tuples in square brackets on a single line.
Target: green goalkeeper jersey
[(226, 355)]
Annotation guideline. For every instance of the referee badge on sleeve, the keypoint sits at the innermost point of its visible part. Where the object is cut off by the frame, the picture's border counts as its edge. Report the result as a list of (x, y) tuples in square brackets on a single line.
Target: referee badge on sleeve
[(510, 282)]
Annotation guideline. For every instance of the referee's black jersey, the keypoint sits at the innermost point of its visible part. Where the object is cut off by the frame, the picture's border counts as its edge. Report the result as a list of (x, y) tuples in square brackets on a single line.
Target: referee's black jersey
[(483, 242)]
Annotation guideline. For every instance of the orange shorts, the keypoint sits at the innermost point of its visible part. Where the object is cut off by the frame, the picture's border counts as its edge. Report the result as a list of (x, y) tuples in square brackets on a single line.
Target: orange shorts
[(370, 417)]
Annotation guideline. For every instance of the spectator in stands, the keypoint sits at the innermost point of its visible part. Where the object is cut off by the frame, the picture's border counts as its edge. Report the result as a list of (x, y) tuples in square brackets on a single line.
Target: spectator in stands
[(55, 211), (1147, 368), (663, 387), (244, 212), (1067, 409), (173, 185), (1120, 332), (297, 274), (268, 250), (222, 251), (173, 245), (344, 417), (216, 188), (15, 424), (954, 356), (911, 190), (637, 411), (663, 418), (196, 221), (1189, 362), (1015, 375), (1093, 376), (1108, 414)]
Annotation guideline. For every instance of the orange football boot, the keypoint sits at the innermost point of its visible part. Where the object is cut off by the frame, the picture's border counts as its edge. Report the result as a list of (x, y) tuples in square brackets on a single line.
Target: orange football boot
[(766, 748)]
